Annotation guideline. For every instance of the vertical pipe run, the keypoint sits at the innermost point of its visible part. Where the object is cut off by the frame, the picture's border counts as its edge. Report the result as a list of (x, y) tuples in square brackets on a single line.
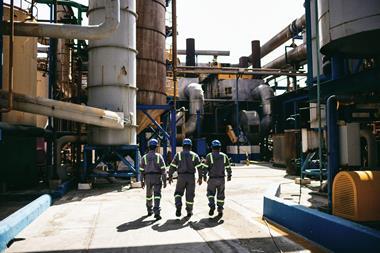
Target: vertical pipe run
[(256, 54), (309, 44), (173, 120), (190, 52), (173, 128), (332, 144), (318, 94), (174, 53), (237, 114), (52, 55)]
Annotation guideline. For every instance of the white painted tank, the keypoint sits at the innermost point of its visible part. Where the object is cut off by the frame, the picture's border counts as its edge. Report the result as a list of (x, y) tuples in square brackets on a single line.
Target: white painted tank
[(112, 74), (351, 27)]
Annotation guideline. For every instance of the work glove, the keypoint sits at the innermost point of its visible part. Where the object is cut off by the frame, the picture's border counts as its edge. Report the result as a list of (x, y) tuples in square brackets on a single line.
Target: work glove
[(229, 178), (170, 179), (142, 184), (200, 181)]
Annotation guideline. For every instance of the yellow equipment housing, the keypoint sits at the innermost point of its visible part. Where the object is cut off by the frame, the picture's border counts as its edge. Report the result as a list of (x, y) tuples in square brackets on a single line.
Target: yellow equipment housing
[(356, 195)]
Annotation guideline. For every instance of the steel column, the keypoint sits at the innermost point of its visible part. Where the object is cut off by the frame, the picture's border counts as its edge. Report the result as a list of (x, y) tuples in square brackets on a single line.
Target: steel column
[(173, 131), (332, 144), (309, 44)]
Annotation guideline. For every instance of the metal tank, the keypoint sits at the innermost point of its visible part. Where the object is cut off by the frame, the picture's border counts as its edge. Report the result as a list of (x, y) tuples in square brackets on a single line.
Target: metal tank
[(151, 65), (24, 67), (112, 74), (350, 27)]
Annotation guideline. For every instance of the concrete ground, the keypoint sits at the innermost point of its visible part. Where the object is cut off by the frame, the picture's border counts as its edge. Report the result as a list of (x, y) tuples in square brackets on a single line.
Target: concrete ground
[(310, 196), (106, 219)]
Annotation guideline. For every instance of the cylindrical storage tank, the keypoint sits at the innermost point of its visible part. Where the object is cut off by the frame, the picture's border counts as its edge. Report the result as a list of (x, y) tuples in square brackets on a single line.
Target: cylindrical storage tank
[(112, 74), (24, 69), (151, 65), (350, 27)]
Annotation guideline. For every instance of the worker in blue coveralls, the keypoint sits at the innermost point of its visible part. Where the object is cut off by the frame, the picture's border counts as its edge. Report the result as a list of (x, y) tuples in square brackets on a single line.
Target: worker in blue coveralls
[(153, 177), (215, 166), (186, 163)]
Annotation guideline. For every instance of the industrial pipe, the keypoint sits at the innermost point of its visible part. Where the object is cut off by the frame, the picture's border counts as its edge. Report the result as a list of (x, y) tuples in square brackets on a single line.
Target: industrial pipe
[(62, 110), (235, 71), (372, 147), (63, 141), (286, 34), (90, 32), (265, 93), (206, 52), (194, 93), (332, 144), (296, 55)]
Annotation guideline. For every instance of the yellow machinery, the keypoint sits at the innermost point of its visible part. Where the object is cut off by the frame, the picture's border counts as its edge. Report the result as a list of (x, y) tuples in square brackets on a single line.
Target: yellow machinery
[(356, 195)]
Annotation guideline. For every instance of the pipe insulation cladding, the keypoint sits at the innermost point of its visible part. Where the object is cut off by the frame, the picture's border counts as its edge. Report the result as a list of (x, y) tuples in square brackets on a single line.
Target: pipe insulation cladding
[(96, 30), (112, 73), (265, 94), (195, 95), (62, 110)]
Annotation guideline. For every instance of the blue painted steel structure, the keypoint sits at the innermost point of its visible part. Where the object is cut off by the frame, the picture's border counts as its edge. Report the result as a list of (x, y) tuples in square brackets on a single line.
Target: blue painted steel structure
[(169, 109), (108, 155), (331, 232)]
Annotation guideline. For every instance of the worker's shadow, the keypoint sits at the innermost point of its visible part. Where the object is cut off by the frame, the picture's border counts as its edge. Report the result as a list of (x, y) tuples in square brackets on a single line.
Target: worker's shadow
[(174, 224), (207, 223), (136, 224)]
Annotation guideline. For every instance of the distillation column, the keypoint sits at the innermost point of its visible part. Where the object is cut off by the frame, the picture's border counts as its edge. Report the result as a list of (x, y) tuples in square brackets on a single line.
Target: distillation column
[(112, 74)]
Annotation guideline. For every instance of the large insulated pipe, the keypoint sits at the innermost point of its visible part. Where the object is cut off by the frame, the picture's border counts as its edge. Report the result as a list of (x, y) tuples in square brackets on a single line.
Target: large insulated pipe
[(264, 93), (296, 55), (112, 73), (286, 34), (372, 147), (63, 110), (194, 93), (332, 144), (102, 29)]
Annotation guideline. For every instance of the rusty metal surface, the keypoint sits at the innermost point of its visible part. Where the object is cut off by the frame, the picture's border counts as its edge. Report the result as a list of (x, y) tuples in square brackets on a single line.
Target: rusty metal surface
[(151, 64)]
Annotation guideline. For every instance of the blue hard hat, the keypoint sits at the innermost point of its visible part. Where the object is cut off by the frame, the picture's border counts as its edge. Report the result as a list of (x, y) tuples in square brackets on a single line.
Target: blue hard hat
[(187, 142), (153, 143), (216, 144)]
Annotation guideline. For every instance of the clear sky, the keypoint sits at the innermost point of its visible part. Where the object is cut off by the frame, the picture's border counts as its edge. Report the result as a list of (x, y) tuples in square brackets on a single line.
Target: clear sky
[(228, 24), (232, 25)]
